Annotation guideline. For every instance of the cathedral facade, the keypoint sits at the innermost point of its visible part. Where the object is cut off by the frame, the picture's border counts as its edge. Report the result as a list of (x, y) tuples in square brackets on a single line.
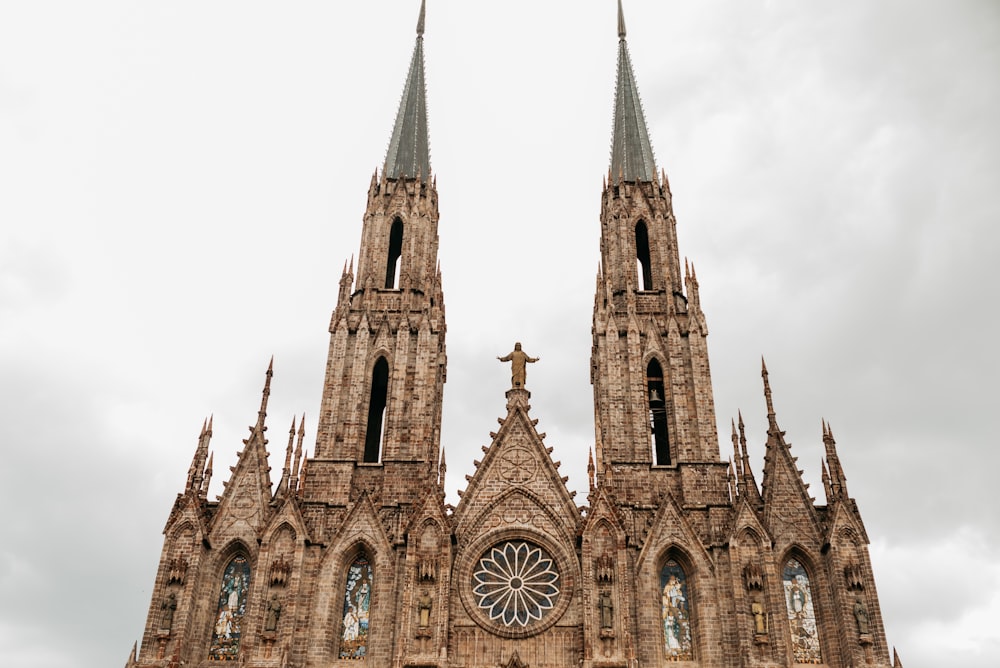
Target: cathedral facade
[(354, 556)]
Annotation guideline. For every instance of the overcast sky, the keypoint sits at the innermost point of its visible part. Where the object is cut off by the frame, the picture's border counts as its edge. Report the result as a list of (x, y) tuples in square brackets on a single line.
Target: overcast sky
[(181, 183)]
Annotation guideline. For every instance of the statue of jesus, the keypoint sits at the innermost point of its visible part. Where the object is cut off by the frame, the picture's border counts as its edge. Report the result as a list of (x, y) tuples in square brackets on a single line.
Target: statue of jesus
[(518, 360)]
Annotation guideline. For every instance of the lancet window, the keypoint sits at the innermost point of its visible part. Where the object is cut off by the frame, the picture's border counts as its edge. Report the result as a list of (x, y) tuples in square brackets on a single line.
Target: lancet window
[(395, 251), (801, 613), (657, 405), (675, 612), (357, 609), (227, 631), (374, 436), (642, 256)]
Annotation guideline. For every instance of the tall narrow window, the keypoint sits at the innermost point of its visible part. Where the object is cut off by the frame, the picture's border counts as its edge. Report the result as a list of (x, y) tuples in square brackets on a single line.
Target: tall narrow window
[(357, 609), (395, 250), (228, 629), (642, 256), (657, 413), (801, 614), (675, 612), (376, 411)]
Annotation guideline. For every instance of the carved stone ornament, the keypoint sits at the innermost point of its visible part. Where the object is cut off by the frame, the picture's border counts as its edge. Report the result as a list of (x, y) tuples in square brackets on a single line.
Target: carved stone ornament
[(513, 662), (177, 571), (604, 569), (853, 576), (426, 569), (280, 572), (752, 577)]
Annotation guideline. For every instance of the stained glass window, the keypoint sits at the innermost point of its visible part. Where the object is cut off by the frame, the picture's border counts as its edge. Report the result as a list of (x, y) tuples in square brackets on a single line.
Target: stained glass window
[(357, 608), (675, 612), (228, 628), (801, 614)]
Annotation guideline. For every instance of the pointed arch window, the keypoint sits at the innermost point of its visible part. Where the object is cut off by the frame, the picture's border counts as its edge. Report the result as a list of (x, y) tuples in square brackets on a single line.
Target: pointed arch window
[(395, 251), (357, 609), (374, 435), (801, 613), (675, 612), (227, 630), (657, 404), (642, 256)]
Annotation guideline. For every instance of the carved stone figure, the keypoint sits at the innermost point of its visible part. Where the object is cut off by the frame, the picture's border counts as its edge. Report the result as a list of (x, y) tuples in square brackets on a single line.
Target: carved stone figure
[(273, 614), (759, 622), (168, 606), (424, 605), (518, 360), (861, 616), (607, 610)]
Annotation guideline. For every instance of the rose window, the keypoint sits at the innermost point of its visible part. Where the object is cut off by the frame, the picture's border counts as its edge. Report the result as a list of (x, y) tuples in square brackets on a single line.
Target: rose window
[(515, 582)]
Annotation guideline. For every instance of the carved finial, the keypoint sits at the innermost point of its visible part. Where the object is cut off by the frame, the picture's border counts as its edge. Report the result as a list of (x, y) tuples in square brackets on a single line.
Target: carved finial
[(621, 21), (420, 20)]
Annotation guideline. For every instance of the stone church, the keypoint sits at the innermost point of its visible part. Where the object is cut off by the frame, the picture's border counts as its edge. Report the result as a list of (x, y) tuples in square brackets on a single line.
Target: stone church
[(354, 556)]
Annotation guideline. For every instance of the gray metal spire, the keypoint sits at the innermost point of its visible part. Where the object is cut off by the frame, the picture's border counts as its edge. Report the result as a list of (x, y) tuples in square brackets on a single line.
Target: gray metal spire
[(631, 151), (409, 148)]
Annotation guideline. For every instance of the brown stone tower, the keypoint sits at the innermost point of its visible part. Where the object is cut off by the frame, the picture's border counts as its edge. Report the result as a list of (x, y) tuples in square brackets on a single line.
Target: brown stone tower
[(355, 559), (380, 416)]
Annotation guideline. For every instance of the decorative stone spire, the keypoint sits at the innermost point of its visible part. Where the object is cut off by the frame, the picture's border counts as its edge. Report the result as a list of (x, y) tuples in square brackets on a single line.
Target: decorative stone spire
[(408, 156), (631, 151)]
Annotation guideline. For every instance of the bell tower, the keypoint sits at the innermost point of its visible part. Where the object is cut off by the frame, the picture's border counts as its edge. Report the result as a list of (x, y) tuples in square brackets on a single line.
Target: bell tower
[(655, 416), (380, 417)]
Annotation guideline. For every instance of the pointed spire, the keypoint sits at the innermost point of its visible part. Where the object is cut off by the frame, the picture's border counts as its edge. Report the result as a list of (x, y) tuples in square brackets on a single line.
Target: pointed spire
[(771, 419), (591, 470), (302, 472), (293, 483), (838, 482), (631, 151), (749, 481), (262, 413), (208, 475), (442, 470), (194, 478), (736, 462), (409, 148), (896, 663), (286, 470)]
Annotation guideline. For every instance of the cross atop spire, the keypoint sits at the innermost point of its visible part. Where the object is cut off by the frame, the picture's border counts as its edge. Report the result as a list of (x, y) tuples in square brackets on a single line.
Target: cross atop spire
[(408, 156), (631, 151)]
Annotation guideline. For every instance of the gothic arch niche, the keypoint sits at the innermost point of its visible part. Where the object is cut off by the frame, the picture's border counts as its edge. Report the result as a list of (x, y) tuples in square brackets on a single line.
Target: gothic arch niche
[(378, 397), (392, 264), (643, 265), (800, 606), (231, 607), (656, 402), (183, 540), (358, 582), (676, 627)]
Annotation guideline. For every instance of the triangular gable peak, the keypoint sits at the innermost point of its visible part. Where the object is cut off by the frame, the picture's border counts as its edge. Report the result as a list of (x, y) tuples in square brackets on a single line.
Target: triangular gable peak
[(670, 529), (603, 509), (430, 507), (843, 520), (187, 508), (747, 517), (245, 505), (517, 479), (789, 512), (361, 526), (288, 513)]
